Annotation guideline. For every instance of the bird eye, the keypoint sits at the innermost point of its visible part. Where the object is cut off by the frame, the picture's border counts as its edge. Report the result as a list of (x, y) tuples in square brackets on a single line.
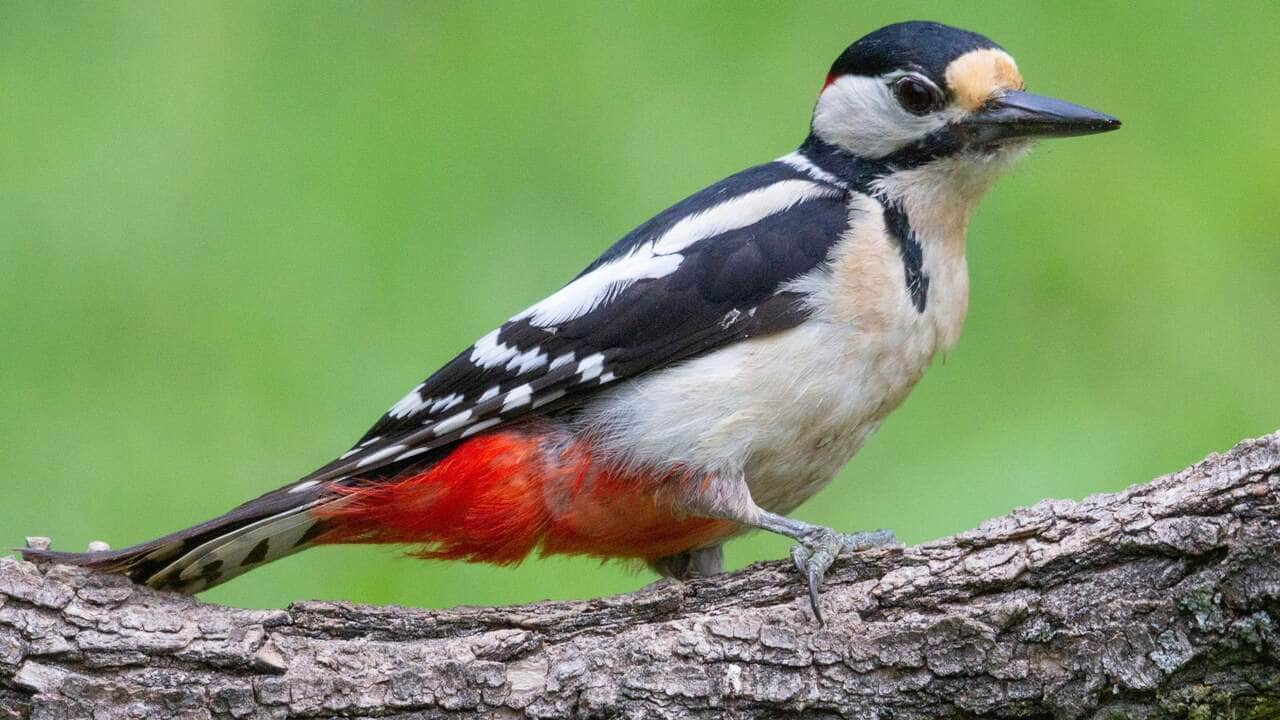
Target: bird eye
[(915, 96)]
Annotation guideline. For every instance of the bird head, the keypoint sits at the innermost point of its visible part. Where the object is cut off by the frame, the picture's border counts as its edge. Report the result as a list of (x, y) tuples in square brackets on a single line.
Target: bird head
[(916, 92)]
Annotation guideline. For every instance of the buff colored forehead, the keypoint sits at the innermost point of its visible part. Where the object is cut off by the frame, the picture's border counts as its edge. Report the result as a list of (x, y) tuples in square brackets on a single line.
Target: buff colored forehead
[(979, 74)]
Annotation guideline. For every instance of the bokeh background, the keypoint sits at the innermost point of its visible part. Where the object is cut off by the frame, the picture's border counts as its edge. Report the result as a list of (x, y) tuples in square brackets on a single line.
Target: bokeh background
[(232, 234)]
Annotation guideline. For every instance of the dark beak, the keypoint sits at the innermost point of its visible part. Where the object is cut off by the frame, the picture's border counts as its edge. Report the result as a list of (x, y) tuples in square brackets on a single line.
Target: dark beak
[(1017, 114)]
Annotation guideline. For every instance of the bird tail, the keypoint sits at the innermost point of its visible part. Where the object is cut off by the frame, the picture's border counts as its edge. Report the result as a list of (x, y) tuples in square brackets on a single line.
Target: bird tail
[(270, 527)]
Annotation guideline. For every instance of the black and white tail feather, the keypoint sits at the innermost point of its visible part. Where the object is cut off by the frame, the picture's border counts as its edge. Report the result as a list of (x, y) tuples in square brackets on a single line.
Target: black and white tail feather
[(196, 558)]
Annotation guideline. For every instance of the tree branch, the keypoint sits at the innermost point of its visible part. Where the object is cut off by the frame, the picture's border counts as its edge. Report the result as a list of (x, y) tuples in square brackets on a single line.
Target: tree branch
[(1161, 601)]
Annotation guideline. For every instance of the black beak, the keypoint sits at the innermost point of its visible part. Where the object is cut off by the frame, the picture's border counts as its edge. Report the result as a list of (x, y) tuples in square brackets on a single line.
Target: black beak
[(1017, 114)]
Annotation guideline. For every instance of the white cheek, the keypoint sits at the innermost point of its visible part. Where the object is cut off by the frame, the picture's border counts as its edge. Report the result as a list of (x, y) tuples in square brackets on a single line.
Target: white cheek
[(861, 115)]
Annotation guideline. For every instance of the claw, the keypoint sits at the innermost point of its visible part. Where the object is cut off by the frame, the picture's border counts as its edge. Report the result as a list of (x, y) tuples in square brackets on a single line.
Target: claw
[(814, 555)]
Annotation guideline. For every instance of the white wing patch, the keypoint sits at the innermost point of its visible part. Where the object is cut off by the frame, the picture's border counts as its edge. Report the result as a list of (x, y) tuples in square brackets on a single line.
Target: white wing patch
[(531, 359), (373, 457), (517, 397), (598, 286), (489, 353), (591, 366), (451, 423), (654, 259), (798, 161), (412, 453), (738, 212), (481, 426), (414, 403), (410, 404), (446, 402)]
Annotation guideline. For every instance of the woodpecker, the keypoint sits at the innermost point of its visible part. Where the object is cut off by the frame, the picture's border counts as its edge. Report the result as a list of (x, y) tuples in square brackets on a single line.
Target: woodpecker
[(703, 377)]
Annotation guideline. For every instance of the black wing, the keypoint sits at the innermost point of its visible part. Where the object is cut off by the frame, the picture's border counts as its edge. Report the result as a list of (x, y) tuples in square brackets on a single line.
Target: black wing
[(708, 271)]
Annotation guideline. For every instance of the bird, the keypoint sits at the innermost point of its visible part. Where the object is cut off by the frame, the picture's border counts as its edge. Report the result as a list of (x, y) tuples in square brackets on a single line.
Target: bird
[(707, 373)]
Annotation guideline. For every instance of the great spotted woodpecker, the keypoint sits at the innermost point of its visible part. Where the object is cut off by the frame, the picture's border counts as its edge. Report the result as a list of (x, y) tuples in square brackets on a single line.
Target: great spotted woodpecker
[(704, 376)]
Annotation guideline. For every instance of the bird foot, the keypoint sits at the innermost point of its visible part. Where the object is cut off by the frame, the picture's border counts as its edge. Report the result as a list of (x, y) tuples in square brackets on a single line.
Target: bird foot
[(813, 556)]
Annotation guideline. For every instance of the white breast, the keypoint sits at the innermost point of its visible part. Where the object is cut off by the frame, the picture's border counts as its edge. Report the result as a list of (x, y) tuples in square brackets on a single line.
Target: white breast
[(787, 411)]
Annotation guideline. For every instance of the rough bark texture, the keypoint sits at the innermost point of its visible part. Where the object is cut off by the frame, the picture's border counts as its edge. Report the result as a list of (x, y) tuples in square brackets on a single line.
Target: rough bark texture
[(1161, 601)]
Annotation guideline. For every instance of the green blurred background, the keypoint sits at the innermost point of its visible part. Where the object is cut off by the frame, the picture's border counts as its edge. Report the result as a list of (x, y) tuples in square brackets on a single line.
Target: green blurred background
[(231, 235)]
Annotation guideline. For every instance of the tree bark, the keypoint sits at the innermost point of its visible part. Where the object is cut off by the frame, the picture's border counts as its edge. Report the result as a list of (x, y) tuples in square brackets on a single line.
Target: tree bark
[(1161, 601)]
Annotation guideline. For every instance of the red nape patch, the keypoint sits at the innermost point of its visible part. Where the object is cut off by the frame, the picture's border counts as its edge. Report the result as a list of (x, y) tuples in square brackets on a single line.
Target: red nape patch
[(831, 77), (496, 498)]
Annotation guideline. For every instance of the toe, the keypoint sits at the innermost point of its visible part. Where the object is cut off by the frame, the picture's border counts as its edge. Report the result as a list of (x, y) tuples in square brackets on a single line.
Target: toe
[(816, 552), (800, 556)]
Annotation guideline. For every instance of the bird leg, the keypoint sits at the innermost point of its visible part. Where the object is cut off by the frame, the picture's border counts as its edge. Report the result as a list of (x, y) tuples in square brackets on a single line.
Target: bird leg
[(729, 498), (817, 547)]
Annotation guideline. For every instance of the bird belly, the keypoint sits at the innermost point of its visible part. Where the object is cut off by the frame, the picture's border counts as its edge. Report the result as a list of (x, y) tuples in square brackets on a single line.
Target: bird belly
[(785, 411)]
